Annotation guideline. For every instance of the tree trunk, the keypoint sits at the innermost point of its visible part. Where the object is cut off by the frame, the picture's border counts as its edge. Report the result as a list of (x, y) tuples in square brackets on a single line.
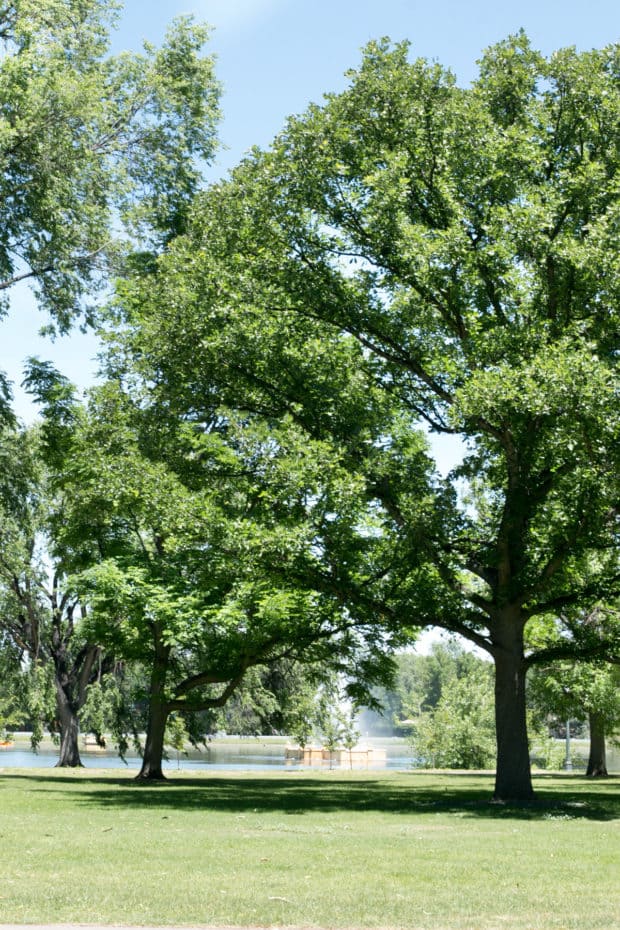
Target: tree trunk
[(158, 715), (597, 762), (69, 730), (513, 780)]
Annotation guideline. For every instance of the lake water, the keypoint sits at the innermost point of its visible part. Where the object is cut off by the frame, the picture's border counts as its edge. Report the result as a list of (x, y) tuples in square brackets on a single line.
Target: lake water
[(250, 755)]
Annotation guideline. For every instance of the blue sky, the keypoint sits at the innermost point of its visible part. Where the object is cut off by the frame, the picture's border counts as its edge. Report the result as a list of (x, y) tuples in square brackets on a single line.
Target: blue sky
[(275, 56)]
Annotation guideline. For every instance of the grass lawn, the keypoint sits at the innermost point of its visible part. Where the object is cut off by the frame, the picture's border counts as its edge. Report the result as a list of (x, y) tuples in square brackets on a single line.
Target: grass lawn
[(339, 849)]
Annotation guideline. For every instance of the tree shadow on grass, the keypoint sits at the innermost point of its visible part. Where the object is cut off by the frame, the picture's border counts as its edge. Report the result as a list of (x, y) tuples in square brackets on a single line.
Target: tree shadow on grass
[(573, 799)]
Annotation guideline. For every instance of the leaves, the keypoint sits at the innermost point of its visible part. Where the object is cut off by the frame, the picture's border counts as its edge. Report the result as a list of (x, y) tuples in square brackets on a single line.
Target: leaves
[(92, 144)]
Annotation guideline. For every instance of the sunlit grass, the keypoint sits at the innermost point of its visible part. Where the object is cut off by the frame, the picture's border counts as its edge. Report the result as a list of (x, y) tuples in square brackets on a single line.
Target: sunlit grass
[(334, 849)]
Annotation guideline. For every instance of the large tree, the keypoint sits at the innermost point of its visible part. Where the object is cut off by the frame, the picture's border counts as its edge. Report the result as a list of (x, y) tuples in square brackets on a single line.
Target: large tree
[(412, 253), (171, 530)]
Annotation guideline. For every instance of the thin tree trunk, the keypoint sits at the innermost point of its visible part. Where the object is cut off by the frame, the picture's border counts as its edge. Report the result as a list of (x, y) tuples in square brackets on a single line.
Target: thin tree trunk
[(597, 761), (513, 780), (69, 730), (151, 769)]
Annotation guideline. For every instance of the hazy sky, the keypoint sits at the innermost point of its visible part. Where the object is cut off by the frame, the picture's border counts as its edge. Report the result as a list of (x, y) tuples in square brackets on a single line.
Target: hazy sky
[(275, 56)]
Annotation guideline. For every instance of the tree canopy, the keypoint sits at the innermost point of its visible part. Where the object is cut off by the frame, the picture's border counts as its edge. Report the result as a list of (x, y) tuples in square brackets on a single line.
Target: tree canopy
[(95, 148), (254, 480), (411, 254), (193, 546), (101, 157), (583, 691)]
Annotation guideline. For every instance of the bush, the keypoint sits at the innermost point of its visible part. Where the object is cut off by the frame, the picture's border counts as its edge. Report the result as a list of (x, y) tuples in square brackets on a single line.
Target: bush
[(459, 733)]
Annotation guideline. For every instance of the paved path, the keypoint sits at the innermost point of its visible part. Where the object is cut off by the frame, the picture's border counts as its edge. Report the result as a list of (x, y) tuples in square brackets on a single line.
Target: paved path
[(27, 926)]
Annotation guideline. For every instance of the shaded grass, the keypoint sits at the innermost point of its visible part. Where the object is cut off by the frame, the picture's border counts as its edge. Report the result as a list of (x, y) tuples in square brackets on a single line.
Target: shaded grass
[(415, 850)]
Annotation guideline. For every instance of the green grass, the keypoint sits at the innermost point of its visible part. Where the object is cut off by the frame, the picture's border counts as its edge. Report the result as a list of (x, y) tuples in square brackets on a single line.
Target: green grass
[(340, 849)]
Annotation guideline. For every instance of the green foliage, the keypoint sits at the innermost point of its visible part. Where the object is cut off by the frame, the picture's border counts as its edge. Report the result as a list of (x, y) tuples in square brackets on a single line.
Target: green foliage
[(576, 690), (325, 713), (42, 619), (335, 719), (176, 735), (356, 280), (420, 680), (350, 733), (443, 701), (330, 730), (547, 752), (10, 717), (407, 254), (413, 253), (250, 709), (93, 144), (270, 700), (116, 705), (301, 721), (37, 696), (194, 548), (96, 712), (101, 157), (459, 733)]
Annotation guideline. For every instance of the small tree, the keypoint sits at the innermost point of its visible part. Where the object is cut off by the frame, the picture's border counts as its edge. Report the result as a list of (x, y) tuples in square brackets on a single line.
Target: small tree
[(459, 731), (336, 719), (330, 722), (350, 732), (302, 720), (584, 691)]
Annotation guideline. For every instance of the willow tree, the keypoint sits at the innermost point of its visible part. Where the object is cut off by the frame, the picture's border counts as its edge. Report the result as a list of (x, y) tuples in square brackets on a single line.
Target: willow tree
[(457, 248)]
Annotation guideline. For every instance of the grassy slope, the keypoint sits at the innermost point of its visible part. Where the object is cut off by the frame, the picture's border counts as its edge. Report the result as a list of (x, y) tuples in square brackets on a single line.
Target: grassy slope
[(326, 850)]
